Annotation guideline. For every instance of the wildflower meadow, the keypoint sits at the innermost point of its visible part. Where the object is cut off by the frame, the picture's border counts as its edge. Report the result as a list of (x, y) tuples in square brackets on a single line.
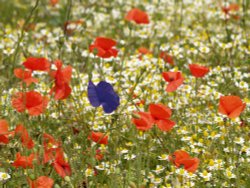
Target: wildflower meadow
[(124, 93)]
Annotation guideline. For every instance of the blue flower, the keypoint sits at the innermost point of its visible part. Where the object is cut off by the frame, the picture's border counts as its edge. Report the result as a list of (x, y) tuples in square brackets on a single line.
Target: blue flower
[(103, 94)]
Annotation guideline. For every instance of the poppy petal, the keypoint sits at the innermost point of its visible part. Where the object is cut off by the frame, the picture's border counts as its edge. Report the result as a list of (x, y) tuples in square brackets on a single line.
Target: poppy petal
[(165, 125), (237, 111), (159, 111)]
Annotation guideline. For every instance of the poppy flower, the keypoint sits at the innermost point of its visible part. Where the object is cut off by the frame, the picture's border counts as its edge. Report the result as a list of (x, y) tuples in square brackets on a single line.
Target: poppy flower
[(138, 16), (98, 155), (24, 135), (32, 101), (41, 182), (54, 2), (143, 51), (105, 47), (161, 115), (50, 146), (98, 137), (174, 79), (25, 76), (24, 161), (231, 11), (198, 71), (49, 142), (167, 58), (4, 132), (158, 115), (231, 106), (232, 7), (103, 94), (144, 122), (181, 158), (61, 166), (62, 78), (37, 64)]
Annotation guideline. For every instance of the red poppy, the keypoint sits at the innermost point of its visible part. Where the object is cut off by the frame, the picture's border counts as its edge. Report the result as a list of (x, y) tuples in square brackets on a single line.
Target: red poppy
[(99, 137), (50, 146), (160, 111), (32, 101), (37, 64), (98, 155), (161, 115), (231, 7), (62, 78), (25, 76), (49, 142), (175, 79), (54, 2), (232, 106), (105, 47), (24, 161), (41, 182), (61, 166), (138, 16), (24, 135), (158, 115), (4, 132), (143, 51), (144, 122), (231, 10), (198, 71), (181, 158), (167, 58)]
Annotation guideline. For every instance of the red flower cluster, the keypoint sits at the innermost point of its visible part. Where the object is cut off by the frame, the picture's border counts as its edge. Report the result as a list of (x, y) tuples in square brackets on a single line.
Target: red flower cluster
[(33, 101), (24, 161), (20, 130), (158, 115), (25, 76), (54, 152)]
